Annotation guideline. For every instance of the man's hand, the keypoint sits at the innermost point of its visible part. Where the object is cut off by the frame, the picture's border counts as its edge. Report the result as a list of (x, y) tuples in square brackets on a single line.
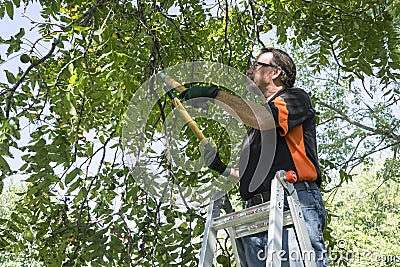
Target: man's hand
[(199, 91), (213, 161)]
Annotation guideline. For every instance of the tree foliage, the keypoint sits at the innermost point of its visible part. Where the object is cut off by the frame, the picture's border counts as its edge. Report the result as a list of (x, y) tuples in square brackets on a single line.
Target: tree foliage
[(8, 198), (367, 220), (70, 94)]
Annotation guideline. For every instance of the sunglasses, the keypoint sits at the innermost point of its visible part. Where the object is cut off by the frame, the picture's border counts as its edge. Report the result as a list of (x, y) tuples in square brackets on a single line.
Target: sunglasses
[(258, 63)]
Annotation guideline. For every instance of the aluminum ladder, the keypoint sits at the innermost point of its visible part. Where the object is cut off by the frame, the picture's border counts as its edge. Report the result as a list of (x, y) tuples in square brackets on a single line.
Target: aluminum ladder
[(268, 216)]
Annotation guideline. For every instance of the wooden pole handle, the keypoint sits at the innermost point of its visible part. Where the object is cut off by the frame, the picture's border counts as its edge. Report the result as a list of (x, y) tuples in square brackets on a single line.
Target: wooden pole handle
[(186, 116)]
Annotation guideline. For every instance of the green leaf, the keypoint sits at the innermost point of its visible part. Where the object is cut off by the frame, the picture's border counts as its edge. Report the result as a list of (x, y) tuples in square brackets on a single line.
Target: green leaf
[(75, 185), (17, 3), (81, 195), (81, 28), (4, 164), (20, 34), (20, 220), (89, 149), (365, 67), (2, 14), (31, 179), (72, 175), (10, 77), (9, 9)]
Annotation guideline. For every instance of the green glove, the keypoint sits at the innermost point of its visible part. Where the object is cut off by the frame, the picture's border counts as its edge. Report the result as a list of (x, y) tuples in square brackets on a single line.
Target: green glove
[(199, 91), (213, 161)]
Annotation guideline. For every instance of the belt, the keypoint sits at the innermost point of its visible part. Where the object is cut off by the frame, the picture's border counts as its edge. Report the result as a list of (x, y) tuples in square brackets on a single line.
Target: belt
[(265, 196), (303, 186)]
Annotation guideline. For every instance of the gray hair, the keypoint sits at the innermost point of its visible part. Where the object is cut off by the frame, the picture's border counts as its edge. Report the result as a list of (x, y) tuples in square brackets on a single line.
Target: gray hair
[(283, 60)]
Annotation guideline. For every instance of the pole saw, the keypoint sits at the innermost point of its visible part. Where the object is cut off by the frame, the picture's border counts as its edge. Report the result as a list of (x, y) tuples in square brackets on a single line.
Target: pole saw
[(170, 84)]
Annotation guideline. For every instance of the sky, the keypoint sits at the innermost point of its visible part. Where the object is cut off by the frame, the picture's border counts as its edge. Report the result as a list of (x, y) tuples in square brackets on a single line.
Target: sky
[(10, 27)]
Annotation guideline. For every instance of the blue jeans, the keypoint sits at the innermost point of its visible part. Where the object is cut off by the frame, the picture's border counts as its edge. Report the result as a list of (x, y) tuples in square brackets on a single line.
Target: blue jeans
[(255, 246)]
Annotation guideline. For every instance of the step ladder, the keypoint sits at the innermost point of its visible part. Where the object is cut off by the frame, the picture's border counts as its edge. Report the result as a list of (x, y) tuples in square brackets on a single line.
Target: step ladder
[(268, 216)]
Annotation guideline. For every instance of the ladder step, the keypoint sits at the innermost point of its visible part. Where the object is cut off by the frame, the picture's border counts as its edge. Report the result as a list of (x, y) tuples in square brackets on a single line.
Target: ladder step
[(241, 217), (249, 221), (260, 226)]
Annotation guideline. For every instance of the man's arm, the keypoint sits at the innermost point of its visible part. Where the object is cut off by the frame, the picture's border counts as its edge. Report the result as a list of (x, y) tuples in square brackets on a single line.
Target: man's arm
[(248, 112)]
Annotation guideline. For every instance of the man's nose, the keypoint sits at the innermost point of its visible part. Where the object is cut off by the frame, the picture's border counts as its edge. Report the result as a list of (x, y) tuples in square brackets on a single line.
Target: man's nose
[(249, 71)]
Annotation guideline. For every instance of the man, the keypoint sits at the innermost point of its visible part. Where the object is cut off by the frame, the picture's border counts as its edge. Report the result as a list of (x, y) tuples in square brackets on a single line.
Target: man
[(292, 120)]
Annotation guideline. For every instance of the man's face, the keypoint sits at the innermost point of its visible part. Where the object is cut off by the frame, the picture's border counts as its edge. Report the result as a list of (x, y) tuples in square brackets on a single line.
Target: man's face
[(262, 75)]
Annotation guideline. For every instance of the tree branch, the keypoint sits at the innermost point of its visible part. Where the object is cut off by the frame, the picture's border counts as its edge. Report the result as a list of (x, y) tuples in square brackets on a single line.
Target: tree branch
[(362, 126), (226, 32), (33, 65)]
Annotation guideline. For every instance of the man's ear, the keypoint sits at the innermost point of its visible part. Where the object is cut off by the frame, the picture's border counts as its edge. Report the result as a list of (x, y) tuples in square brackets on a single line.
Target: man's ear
[(276, 72)]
